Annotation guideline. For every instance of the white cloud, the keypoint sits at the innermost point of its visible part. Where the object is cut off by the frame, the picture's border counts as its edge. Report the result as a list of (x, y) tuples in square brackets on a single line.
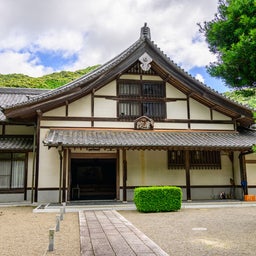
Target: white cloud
[(200, 78), (12, 62), (96, 32)]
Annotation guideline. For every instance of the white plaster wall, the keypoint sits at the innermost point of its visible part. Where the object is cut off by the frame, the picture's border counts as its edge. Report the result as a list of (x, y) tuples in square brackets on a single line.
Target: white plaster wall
[(53, 124), (80, 107), (19, 129), (60, 111), (172, 92), (49, 164), (148, 168), (175, 126), (104, 107), (101, 124), (151, 78), (213, 176), (219, 116), (251, 169), (128, 76), (226, 127), (198, 110), (176, 110), (109, 89)]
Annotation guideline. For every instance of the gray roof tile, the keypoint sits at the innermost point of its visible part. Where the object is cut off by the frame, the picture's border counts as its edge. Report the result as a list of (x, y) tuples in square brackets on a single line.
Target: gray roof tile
[(148, 139), (16, 143), (10, 96)]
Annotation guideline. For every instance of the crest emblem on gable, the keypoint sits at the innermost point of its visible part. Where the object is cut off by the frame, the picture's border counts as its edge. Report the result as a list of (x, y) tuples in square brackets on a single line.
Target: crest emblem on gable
[(144, 123), (145, 59)]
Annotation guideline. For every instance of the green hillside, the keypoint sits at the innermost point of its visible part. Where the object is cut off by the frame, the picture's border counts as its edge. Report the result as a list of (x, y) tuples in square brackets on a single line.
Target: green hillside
[(50, 81)]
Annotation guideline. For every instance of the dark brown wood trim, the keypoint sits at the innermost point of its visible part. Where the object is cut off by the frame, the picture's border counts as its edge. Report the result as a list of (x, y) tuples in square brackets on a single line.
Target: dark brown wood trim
[(112, 119), (25, 177), (64, 175), (93, 155), (12, 191), (250, 161), (69, 174), (92, 108), (124, 176), (3, 129), (118, 175), (39, 116), (243, 173), (187, 164), (66, 108), (188, 112)]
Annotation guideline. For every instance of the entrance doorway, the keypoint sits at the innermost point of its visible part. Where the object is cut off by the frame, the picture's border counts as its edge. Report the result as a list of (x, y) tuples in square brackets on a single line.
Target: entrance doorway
[(93, 179)]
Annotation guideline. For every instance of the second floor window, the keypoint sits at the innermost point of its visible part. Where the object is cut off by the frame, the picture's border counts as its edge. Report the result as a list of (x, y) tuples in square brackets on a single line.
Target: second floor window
[(141, 98)]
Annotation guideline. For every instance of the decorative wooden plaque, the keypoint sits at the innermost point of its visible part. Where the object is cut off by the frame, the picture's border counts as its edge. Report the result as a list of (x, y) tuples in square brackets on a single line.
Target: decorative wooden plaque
[(143, 123)]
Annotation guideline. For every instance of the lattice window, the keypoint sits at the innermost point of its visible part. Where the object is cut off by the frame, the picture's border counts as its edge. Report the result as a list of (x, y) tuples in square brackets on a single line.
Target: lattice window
[(138, 98), (198, 159)]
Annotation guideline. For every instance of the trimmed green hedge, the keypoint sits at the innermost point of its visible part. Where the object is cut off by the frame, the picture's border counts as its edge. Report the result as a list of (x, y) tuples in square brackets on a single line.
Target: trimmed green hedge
[(158, 199)]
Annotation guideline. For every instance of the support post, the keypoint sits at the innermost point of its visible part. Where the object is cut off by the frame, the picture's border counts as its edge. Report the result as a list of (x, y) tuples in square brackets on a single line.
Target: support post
[(124, 176), (60, 182), (187, 168), (39, 116)]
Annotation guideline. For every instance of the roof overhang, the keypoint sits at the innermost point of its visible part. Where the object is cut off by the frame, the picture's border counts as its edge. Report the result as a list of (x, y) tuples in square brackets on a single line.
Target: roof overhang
[(16, 143), (151, 140)]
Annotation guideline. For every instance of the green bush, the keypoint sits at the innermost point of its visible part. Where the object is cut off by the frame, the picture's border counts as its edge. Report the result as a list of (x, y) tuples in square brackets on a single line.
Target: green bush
[(158, 199)]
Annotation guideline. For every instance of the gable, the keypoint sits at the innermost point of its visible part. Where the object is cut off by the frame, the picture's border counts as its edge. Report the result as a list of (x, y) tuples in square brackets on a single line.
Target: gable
[(145, 62)]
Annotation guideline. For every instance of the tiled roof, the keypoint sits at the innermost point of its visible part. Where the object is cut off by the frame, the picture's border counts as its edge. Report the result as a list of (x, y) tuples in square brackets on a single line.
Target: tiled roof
[(148, 139), (17, 143), (9, 96), (137, 46), (87, 77)]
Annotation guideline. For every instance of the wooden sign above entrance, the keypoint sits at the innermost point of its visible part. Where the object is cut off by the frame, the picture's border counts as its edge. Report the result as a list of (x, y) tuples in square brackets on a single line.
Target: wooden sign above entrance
[(144, 123)]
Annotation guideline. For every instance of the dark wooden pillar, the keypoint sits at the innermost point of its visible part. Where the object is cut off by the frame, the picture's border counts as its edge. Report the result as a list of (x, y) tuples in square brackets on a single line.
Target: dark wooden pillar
[(39, 116), (243, 173), (61, 163), (124, 176), (64, 183), (187, 168)]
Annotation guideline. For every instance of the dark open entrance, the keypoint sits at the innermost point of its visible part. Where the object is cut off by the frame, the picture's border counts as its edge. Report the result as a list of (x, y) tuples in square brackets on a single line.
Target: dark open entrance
[(93, 179)]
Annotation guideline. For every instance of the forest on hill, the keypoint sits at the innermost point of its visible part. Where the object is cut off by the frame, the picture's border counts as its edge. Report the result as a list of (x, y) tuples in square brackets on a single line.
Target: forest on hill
[(245, 96), (50, 81)]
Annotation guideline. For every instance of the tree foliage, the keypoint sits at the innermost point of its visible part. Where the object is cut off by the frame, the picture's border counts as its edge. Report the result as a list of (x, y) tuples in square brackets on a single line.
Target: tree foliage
[(231, 35), (50, 81)]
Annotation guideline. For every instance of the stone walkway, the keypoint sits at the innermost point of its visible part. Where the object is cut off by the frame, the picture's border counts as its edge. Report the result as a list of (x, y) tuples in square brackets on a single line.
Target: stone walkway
[(108, 233)]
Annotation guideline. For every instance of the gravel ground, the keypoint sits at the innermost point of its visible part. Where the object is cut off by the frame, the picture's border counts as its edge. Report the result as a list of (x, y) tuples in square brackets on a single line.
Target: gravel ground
[(25, 233), (221, 231), (218, 231)]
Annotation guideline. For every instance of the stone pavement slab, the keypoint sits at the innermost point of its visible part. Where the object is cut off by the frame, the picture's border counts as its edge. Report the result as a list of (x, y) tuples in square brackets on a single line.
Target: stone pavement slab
[(109, 233)]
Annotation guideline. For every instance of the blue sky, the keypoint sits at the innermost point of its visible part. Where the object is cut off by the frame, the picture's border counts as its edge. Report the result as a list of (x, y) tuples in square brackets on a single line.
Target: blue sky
[(41, 37)]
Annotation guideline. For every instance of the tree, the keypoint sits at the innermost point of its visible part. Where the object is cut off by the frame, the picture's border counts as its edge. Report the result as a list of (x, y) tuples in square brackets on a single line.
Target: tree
[(231, 35)]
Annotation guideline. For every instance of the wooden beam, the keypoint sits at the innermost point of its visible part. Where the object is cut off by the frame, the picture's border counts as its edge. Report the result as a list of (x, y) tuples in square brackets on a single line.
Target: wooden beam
[(124, 176), (187, 169), (64, 176), (39, 116)]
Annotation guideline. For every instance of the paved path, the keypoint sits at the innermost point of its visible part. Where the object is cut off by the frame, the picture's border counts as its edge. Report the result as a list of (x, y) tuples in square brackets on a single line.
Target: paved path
[(108, 233)]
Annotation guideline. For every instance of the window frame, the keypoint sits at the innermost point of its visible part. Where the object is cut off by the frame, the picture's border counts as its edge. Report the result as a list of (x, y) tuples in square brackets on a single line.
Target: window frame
[(141, 96), (198, 159), (10, 186)]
